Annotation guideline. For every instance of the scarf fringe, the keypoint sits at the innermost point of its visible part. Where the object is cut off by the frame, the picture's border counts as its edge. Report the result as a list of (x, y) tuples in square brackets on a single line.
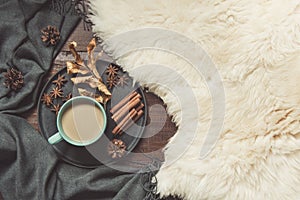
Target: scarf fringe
[(74, 7)]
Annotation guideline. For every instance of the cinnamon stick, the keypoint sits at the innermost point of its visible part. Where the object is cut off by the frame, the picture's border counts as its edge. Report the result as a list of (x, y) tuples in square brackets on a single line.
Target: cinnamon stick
[(123, 101), (128, 117), (140, 107), (130, 122), (125, 105), (126, 108)]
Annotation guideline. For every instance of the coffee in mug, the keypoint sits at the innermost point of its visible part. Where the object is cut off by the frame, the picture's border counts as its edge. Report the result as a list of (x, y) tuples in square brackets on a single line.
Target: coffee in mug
[(81, 121)]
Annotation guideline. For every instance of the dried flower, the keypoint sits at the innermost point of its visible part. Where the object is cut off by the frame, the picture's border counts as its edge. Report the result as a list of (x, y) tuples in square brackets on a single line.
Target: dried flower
[(68, 97), (111, 70), (116, 148), (111, 81), (47, 99), (89, 69), (13, 79), (123, 80), (56, 92), (56, 108), (60, 81), (50, 35)]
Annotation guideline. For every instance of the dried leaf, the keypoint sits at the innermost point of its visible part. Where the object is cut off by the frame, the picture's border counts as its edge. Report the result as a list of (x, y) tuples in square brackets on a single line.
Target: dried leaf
[(84, 92), (102, 88), (74, 68), (91, 61), (93, 83), (77, 57), (93, 78), (91, 46), (90, 80)]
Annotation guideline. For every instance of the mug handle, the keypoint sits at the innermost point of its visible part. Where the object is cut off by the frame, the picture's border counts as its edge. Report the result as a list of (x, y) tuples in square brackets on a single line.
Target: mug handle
[(56, 138)]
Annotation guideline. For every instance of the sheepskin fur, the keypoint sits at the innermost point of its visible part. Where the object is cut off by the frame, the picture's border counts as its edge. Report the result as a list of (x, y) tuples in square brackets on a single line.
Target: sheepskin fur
[(255, 46)]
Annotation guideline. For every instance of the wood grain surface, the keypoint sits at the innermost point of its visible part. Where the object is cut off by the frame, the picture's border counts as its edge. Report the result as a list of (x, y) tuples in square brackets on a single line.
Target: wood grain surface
[(158, 133)]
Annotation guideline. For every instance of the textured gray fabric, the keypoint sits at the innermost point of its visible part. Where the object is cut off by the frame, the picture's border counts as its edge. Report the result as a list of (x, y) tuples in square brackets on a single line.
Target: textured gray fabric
[(22, 48), (29, 167)]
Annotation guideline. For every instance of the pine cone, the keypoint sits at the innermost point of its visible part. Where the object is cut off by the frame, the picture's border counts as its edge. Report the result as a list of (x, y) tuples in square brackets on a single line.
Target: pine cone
[(50, 35), (116, 148), (13, 79)]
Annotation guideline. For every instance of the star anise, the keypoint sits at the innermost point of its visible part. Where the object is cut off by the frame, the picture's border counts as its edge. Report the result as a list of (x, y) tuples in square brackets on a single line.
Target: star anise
[(123, 80), (50, 35), (47, 99), (68, 97), (111, 81), (116, 148), (60, 81), (111, 70), (13, 79), (55, 108), (56, 92)]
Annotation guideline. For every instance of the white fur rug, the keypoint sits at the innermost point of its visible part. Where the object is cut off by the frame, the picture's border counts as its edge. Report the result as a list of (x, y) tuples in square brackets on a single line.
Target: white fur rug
[(255, 46)]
